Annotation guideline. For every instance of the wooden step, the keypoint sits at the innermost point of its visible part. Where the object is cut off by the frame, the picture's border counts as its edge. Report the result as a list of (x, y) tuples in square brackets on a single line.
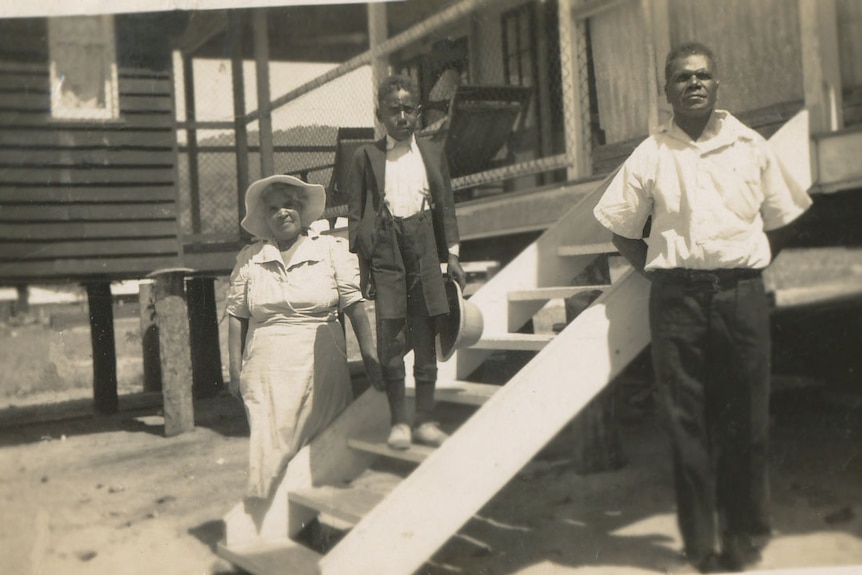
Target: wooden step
[(515, 341), (587, 249), (414, 454), (347, 504), (549, 293), (272, 557), (461, 392)]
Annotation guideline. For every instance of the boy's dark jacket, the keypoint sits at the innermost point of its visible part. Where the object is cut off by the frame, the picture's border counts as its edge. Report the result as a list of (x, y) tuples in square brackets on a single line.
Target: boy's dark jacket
[(365, 196)]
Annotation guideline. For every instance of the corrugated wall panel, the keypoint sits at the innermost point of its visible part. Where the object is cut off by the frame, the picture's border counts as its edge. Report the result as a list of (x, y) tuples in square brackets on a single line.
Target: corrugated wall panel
[(756, 45), (622, 66)]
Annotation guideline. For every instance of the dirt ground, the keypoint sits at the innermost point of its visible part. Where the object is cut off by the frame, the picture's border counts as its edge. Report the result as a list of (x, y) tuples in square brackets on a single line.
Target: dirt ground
[(112, 495)]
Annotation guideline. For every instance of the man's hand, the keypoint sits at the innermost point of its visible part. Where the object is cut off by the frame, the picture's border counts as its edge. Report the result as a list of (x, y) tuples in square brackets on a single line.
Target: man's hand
[(456, 272)]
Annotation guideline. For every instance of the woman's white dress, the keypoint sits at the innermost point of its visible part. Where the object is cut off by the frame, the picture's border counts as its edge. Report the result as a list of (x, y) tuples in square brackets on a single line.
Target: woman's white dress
[(294, 378)]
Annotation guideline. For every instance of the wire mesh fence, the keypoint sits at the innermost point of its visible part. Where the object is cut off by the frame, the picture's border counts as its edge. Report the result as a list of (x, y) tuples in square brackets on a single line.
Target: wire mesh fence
[(491, 80)]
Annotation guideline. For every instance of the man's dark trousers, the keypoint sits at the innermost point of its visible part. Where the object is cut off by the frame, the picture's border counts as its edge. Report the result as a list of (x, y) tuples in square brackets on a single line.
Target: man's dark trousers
[(711, 355)]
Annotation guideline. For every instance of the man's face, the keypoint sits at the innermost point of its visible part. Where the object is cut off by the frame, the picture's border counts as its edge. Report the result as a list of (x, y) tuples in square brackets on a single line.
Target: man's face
[(399, 114), (692, 87)]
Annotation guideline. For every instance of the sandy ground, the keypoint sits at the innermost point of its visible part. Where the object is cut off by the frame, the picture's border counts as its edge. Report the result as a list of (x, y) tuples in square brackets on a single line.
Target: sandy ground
[(112, 495)]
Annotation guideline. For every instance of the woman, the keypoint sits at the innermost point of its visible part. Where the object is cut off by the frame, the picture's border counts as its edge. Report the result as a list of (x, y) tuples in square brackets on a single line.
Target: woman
[(287, 350)]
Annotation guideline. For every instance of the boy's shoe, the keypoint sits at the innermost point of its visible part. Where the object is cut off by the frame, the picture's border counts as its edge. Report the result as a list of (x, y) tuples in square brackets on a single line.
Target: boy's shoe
[(399, 437), (429, 434)]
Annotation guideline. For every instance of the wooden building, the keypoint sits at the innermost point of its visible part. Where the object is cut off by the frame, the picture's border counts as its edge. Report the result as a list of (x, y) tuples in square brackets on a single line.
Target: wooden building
[(97, 198)]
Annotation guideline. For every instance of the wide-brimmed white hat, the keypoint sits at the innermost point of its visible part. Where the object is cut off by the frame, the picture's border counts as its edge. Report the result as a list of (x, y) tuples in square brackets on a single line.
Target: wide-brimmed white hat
[(463, 325), (313, 198)]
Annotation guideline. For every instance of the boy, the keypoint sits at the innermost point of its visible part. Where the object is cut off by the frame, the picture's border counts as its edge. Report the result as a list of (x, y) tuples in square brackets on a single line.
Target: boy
[(402, 226)]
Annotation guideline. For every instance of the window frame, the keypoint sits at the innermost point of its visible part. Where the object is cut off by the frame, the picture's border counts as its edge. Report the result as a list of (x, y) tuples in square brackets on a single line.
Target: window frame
[(61, 33)]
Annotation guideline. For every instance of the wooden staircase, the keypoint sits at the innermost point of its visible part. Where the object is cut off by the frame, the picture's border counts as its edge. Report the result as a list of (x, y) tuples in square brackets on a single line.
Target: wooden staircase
[(398, 508)]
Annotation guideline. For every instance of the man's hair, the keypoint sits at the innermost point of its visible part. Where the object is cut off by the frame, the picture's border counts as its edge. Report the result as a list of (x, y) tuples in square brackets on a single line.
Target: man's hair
[(395, 83), (683, 50)]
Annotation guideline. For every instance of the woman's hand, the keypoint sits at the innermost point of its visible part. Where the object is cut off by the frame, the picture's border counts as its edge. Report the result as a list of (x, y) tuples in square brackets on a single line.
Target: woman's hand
[(358, 315), (237, 331)]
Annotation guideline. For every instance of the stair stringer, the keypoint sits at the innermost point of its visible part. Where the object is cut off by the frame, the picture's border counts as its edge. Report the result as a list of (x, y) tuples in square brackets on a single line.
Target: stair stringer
[(326, 460), (538, 265), (434, 501)]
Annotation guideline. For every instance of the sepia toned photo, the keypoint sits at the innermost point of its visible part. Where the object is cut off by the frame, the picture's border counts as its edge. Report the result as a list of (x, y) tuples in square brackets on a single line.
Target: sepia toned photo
[(431, 287)]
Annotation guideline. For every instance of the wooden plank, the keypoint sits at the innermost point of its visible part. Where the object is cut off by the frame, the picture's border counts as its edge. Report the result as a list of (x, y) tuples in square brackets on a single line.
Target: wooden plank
[(117, 268), (460, 392), (838, 159), (272, 557), (597, 248), (107, 137), (70, 230), (33, 83), (26, 157), (43, 120), (139, 86), (530, 210), (820, 294), (344, 503), (72, 174), (84, 212), (19, 251), (112, 194), (145, 103), (23, 100), (414, 454), (515, 341), (550, 293)]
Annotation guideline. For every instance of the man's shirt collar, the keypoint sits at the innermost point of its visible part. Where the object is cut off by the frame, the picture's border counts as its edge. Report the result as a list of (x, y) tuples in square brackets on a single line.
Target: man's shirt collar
[(392, 143), (721, 130)]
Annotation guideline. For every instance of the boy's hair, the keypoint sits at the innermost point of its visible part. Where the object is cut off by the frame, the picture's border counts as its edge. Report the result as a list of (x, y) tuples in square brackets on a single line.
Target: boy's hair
[(683, 50), (394, 83)]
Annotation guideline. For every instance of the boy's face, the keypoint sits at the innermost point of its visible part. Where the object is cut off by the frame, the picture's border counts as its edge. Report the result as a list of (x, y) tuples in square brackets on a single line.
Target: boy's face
[(399, 114)]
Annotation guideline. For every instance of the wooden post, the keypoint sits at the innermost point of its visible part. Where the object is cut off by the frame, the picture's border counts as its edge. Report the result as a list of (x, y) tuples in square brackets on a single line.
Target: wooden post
[(100, 301), (235, 30), (657, 17), (377, 34), (572, 46), (149, 337), (261, 60), (22, 303), (821, 65), (176, 366), (192, 142), (204, 338)]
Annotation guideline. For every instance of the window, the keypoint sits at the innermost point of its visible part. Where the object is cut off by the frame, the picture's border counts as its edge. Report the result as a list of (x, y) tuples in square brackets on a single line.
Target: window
[(83, 68), (519, 46)]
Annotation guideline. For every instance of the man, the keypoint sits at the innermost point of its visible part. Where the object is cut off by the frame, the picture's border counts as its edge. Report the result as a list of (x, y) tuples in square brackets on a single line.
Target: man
[(720, 206), (402, 225)]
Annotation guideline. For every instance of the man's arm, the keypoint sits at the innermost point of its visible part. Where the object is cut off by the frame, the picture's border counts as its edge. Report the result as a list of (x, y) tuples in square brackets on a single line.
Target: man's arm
[(635, 251)]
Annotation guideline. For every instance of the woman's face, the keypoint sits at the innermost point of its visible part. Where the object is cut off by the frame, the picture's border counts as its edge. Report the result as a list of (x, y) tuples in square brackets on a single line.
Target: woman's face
[(283, 205)]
